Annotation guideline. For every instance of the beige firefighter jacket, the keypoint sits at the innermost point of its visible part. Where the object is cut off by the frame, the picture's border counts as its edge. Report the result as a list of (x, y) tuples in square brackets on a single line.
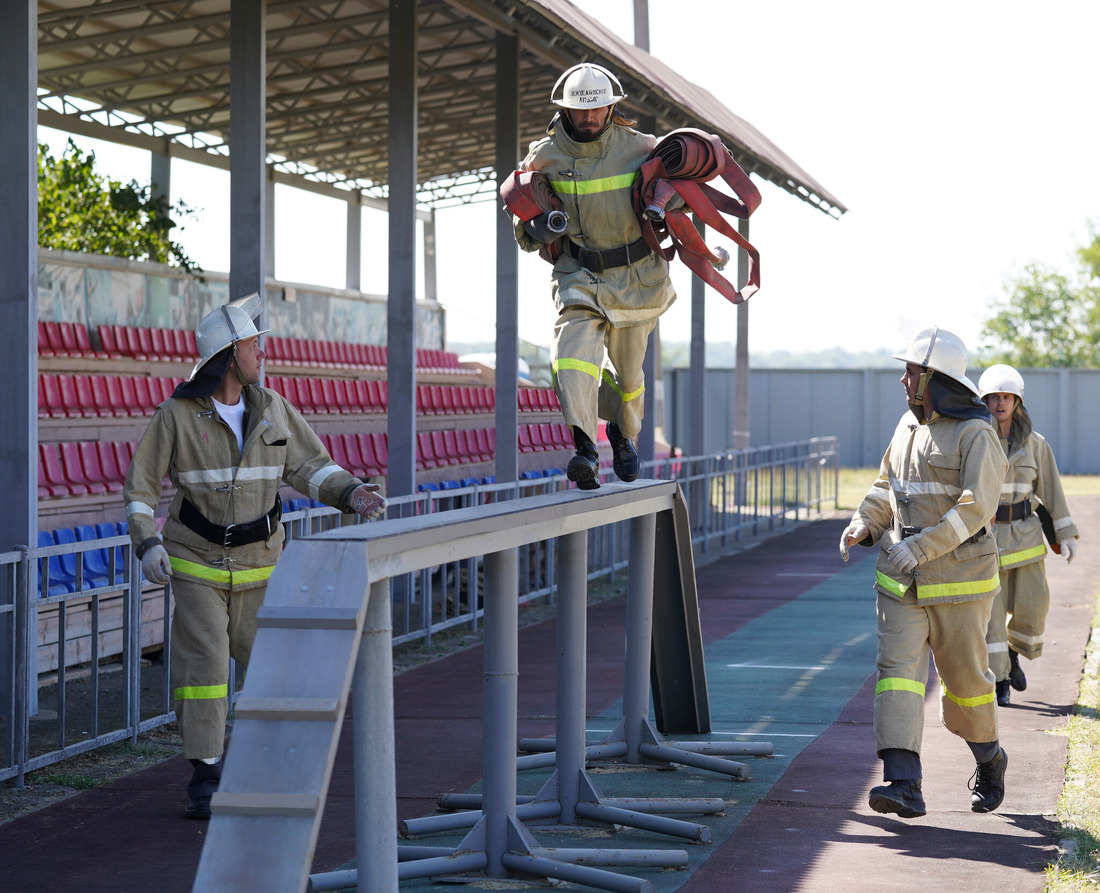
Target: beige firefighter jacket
[(594, 181), (187, 441), (944, 478), (1032, 476)]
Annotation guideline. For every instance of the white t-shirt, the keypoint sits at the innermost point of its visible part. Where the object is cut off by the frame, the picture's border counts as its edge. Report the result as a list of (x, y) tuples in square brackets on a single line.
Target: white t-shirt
[(233, 416)]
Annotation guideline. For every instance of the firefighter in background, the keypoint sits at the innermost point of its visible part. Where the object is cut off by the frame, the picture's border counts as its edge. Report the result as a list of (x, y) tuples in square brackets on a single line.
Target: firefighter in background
[(227, 445), (1032, 486), (609, 288), (936, 575)]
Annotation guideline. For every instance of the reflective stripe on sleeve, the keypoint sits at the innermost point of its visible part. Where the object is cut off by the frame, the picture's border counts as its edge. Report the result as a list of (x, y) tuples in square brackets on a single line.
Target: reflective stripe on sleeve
[(138, 508), (318, 479)]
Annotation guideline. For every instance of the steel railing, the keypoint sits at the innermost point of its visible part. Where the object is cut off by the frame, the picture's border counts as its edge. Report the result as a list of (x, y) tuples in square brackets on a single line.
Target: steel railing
[(56, 639)]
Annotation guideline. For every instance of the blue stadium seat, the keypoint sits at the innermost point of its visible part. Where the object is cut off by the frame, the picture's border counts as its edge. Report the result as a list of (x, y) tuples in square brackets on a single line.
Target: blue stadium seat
[(421, 488), (65, 535), (450, 485), (470, 482), (530, 475), (58, 583), (96, 561)]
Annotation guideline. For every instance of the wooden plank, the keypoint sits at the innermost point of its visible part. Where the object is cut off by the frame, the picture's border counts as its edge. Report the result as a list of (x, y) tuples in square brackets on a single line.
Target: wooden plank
[(265, 804), (295, 709), (267, 811), (305, 617)]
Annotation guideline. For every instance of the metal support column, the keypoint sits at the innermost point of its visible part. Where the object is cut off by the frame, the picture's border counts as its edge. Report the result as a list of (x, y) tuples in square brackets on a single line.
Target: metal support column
[(19, 272), (353, 276), (375, 773), (697, 374), (507, 264), (160, 176), (403, 149), (247, 147), (741, 409), (431, 256)]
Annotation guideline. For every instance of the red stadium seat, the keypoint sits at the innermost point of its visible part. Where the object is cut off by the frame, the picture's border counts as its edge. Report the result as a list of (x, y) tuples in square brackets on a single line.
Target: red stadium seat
[(367, 446), (73, 468), (49, 396), (44, 347), (50, 470), (108, 337), (108, 461), (93, 470)]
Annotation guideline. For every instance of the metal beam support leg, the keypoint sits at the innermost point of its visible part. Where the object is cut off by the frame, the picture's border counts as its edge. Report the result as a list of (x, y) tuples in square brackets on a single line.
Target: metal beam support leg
[(375, 768)]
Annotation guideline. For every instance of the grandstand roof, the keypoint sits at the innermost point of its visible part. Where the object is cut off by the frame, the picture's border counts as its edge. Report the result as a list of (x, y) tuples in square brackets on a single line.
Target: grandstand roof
[(156, 74)]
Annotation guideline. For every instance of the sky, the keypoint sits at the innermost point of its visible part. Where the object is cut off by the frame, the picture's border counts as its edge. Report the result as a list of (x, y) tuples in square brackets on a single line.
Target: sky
[(960, 135)]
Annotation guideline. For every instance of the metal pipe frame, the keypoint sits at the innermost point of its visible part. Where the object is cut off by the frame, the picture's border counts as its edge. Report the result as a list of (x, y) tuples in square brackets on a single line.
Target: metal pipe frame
[(498, 844)]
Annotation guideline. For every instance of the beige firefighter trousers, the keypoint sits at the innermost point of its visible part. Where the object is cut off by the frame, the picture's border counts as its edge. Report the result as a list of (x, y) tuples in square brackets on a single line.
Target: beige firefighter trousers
[(1019, 616), (209, 625), (588, 390), (955, 635)]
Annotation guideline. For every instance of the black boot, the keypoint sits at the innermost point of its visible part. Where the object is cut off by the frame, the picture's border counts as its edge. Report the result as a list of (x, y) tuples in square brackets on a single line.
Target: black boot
[(903, 798), (988, 783), (201, 787), (1015, 674), (625, 461), (584, 468), (1002, 693)]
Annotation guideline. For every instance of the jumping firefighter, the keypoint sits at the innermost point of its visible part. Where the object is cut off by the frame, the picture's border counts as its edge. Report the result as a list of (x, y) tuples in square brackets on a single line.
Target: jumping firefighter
[(608, 285), (1031, 498), (929, 510), (227, 445)]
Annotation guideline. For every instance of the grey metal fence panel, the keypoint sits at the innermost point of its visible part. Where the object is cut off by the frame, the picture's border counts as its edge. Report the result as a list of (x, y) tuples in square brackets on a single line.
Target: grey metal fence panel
[(861, 407)]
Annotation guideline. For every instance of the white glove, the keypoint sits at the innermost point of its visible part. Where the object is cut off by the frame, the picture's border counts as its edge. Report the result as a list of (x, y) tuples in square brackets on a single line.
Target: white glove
[(367, 501), (1069, 549), (901, 556), (853, 533), (155, 564)]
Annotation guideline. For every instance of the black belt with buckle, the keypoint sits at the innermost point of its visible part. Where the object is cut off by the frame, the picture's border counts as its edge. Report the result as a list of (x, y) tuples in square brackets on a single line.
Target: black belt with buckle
[(1015, 512), (913, 531), (234, 534), (598, 261)]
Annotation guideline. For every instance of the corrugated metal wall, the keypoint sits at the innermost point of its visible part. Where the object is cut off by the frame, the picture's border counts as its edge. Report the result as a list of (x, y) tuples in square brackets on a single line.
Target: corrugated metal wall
[(862, 406)]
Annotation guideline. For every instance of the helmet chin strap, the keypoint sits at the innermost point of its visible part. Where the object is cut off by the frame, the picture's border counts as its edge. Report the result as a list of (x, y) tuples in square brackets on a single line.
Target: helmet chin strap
[(237, 366), (917, 401)]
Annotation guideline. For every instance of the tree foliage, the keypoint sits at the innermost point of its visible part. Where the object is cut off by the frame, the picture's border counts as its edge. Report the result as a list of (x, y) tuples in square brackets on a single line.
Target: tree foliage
[(1049, 319), (80, 209)]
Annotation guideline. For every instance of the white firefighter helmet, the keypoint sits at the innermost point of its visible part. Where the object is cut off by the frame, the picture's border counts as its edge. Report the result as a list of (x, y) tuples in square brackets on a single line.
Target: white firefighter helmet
[(1001, 379), (941, 351), (227, 325), (586, 86)]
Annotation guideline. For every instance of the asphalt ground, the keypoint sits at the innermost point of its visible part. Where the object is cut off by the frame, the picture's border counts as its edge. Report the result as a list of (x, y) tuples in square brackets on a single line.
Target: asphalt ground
[(789, 636)]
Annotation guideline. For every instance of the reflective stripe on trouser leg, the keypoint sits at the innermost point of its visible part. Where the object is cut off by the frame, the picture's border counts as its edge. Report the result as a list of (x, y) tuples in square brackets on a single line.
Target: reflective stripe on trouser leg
[(622, 390), (968, 704), (902, 673), (576, 360), (996, 636), (208, 625), (1028, 603)]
